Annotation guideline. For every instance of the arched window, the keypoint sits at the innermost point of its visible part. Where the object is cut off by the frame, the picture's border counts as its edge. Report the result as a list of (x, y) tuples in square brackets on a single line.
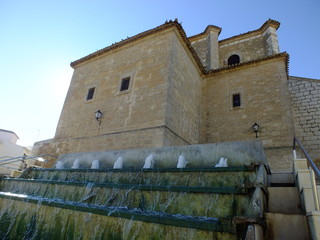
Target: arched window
[(233, 59)]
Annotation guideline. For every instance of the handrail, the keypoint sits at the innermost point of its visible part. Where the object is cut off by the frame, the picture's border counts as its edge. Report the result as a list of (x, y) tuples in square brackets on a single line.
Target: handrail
[(20, 158), (6, 157), (306, 154), (313, 170)]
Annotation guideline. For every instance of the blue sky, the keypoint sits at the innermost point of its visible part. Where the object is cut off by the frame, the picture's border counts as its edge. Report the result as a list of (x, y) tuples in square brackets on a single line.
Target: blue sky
[(39, 39)]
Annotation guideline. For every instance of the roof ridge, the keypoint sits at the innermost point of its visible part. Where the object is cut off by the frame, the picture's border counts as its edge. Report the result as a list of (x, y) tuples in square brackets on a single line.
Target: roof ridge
[(164, 26)]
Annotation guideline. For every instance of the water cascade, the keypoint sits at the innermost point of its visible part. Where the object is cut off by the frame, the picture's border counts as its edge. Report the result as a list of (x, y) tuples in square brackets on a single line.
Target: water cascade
[(76, 164), (59, 165), (95, 164), (182, 162), (118, 164), (223, 162), (113, 201), (149, 162)]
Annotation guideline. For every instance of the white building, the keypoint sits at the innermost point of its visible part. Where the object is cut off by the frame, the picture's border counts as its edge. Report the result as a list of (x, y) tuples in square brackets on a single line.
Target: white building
[(10, 149)]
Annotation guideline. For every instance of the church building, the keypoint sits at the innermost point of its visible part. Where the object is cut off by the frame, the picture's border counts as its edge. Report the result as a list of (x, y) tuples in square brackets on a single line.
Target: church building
[(163, 88)]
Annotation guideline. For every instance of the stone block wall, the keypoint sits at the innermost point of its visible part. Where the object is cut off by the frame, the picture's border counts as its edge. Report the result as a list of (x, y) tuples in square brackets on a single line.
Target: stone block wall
[(251, 45), (201, 48), (265, 99), (247, 49), (142, 138), (141, 106), (184, 95), (305, 94)]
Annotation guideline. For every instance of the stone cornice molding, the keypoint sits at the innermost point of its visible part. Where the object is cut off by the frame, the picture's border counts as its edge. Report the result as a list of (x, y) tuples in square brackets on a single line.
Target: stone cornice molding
[(177, 26), (167, 25), (205, 33), (261, 30)]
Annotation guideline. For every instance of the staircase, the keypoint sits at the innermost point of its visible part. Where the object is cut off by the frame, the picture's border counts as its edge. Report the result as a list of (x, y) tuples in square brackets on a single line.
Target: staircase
[(293, 200), (285, 217)]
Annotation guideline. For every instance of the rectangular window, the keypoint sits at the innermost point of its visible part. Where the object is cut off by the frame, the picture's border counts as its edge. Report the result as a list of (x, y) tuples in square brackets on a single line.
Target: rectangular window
[(125, 82), (236, 100), (90, 93)]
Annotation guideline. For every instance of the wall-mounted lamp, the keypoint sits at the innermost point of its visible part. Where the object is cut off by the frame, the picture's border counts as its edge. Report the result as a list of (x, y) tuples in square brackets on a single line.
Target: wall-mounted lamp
[(256, 128), (98, 115)]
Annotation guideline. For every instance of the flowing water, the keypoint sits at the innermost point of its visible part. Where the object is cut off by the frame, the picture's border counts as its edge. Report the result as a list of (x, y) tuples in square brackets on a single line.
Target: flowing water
[(127, 203)]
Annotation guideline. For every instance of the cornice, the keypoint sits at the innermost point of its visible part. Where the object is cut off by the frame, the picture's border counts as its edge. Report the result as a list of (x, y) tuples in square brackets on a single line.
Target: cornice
[(205, 33), (269, 23), (177, 26), (165, 26)]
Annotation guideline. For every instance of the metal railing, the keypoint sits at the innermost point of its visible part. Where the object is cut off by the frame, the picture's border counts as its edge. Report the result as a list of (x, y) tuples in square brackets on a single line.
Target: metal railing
[(306, 154), (313, 169), (7, 159)]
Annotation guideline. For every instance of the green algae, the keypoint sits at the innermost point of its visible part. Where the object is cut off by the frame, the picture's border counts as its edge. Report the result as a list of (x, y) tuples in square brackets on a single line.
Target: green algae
[(134, 195)]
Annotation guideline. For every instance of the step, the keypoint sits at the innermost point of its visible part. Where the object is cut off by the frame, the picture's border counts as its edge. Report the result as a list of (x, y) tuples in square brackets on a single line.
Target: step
[(23, 218), (231, 176), (282, 179), (197, 201), (286, 226), (284, 200)]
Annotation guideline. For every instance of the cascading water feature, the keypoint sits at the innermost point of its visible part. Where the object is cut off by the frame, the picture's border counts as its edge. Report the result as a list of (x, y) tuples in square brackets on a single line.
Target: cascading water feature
[(158, 201), (149, 162), (118, 163), (95, 164), (76, 164), (182, 163)]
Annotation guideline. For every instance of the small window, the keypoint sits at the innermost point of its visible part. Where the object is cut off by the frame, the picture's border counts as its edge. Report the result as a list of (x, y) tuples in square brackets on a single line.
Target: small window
[(125, 84), (233, 59), (90, 93), (236, 100)]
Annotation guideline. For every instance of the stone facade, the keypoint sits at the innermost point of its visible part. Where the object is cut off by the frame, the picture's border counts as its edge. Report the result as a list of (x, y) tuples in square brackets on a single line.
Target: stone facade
[(305, 95), (161, 88)]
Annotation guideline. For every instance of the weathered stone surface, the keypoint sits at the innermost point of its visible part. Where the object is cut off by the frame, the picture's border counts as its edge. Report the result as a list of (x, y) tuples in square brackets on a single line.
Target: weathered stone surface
[(305, 94)]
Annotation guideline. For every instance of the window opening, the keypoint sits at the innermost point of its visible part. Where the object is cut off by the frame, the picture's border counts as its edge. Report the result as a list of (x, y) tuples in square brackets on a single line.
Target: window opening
[(90, 93), (236, 100), (233, 59), (125, 84)]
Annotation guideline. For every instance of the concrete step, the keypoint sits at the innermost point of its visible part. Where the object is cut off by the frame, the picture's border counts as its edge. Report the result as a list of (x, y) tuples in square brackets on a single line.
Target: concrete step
[(282, 179), (284, 200), (286, 226)]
